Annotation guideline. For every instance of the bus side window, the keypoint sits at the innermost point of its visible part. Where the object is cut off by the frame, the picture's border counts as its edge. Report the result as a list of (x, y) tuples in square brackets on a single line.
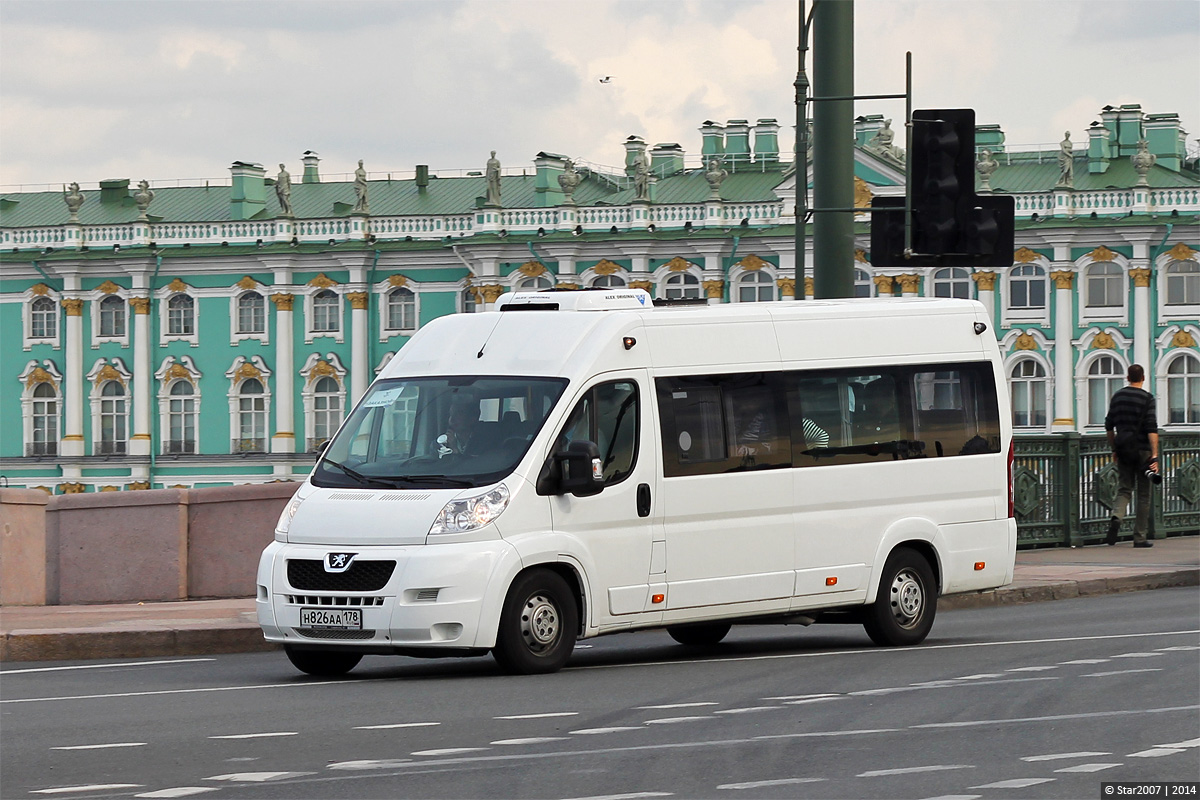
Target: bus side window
[(606, 415), (956, 411)]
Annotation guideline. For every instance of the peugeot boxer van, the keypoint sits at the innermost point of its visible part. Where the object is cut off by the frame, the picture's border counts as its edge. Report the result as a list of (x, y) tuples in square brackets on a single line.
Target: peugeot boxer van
[(579, 463)]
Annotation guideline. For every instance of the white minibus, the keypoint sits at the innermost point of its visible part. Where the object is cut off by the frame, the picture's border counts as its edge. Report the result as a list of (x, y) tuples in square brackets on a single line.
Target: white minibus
[(578, 463)]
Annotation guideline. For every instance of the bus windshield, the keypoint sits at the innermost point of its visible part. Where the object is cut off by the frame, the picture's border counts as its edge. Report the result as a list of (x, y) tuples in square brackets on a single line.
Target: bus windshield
[(451, 432)]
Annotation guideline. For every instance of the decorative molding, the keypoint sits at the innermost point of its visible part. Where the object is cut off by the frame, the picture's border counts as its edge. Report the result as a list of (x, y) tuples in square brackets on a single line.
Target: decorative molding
[(910, 283), (884, 284), (787, 287), (606, 267), (140, 305), (678, 264), (713, 289), (108, 373), (1180, 252), (645, 286), (42, 290), (73, 305), (247, 283), (1026, 342), (178, 286), (491, 292), (1063, 279), (532, 268), (1025, 256), (1141, 277), (138, 486), (1102, 253), (985, 280), (322, 281), (178, 370), (283, 301), (566, 286), (248, 370), (752, 263), (108, 287), (810, 286), (397, 280), (1104, 341), (109, 489), (862, 193), (40, 375), (358, 300), (860, 256), (72, 488), (1183, 339)]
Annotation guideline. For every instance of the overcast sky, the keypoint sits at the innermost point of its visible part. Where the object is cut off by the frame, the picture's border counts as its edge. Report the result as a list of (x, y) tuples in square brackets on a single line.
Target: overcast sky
[(169, 89)]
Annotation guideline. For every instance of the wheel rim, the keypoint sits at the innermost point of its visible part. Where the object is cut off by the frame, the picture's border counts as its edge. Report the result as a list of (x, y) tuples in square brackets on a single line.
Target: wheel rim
[(907, 598), (540, 623)]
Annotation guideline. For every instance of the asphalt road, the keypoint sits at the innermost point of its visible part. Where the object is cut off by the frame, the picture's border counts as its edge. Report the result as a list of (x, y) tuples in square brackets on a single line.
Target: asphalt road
[(1041, 700)]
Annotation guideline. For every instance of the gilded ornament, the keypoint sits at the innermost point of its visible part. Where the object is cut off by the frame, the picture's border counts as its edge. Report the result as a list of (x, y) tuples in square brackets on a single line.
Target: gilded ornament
[(1102, 253), (1183, 339), (45, 489), (41, 289), (358, 300), (491, 292), (1025, 256), (713, 289), (1180, 252), (566, 286), (532, 268), (885, 284), (109, 489), (108, 287), (248, 370), (787, 286), (1104, 341), (140, 305), (606, 267), (247, 283), (862, 193), (138, 486), (108, 373), (40, 375), (860, 256), (283, 301), (678, 264), (72, 488), (178, 370), (810, 286), (1141, 277), (320, 369), (909, 283), (1026, 342), (73, 305), (178, 286), (322, 281), (752, 263), (984, 280), (645, 286), (397, 280), (1063, 279)]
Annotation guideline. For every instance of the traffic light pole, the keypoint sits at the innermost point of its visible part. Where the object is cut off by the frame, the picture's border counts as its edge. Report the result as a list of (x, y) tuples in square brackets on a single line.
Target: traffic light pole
[(833, 134)]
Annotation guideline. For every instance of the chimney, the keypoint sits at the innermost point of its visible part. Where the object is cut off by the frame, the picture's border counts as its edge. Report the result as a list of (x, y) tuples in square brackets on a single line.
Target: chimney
[(114, 190), (546, 191), (249, 194), (666, 159), (422, 180), (737, 142), (310, 167), (1099, 148), (766, 141), (713, 137), (1129, 129), (633, 146), (865, 128), (989, 136), (1167, 140)]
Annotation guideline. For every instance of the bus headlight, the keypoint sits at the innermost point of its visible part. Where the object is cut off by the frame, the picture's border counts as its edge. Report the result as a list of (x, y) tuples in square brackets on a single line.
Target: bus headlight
[(470, 513), (285, 519)]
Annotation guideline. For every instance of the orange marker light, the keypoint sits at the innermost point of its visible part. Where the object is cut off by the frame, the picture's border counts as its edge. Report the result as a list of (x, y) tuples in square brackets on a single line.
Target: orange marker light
[(980, 565), (657, 598), (831, 581)]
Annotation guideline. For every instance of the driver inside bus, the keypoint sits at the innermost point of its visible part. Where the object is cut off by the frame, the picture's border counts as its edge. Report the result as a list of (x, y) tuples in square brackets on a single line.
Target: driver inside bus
[(460, 428)]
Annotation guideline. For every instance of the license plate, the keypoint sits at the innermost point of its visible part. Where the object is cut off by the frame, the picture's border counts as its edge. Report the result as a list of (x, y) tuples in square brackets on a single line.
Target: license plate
[(338, 619)]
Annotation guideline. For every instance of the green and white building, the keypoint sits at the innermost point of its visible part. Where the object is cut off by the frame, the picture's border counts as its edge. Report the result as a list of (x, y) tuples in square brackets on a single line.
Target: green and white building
[(216, 334)]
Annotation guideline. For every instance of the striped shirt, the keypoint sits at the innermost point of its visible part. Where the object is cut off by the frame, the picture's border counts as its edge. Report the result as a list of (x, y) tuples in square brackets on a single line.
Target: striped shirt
[(1132, 409)]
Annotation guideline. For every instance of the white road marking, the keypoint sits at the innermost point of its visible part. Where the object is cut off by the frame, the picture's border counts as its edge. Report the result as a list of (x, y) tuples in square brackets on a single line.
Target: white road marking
[(825, 733), (1156, 752), (270, 735), (804, 696), (980, 676), (1060, 756), (1180, 647), (294, 685), (673, 720), (395, 725), (751, 710), (1087, 767), (1087, 661), (1031, 669), (761, 784), (532, 740), (257, 777), (542, 716), (1188, 743), (675, 705), (1138, 655), (1120, 672), (94, 787), (1014, 783), (955, 797), (812, 700), (179, 791), (1055, 717), (100, 746), (616, 729), (449, 751), (625, 796), (388, 763), (945, 685), (880, 773), (102, 666)]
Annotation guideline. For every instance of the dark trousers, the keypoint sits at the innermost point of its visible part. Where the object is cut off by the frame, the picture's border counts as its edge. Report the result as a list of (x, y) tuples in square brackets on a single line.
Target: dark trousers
[(1129, 477)]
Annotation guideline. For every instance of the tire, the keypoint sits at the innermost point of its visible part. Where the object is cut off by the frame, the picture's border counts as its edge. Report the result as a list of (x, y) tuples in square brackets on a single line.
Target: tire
[(323, 663), (906, 602), (703, 635), (538, 625)]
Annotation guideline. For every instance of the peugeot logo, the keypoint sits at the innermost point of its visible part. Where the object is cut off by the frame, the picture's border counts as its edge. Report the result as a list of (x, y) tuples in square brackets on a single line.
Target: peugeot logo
[(338, 562)]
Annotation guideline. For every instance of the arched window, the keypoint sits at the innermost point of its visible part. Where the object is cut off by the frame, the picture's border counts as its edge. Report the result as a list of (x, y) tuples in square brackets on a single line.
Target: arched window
[(181, 419), (608, 282), (401, 310), (252, 313), (325, 312), (43, 318), (181, 315), (755, 287), (1104, 379), (1183, 284), (1104, 285), (534, 283), (1027, 384), (252, 418), (469, 301), (1027, 287), (112, 419), (1183, 391), (682, 286), (112, 316), (327, 410), (44, 441), (862, 283), (952, 282)]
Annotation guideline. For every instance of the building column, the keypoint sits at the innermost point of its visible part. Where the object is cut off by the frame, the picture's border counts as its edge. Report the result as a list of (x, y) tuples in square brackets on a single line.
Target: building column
[(910, 283), (360, 372), (787, 288), (284, 438), (73, 371), (885, 286), (491, 293), (810, 287), (1142, 344), (1064, 362), (985, 286), (143, 372), (714, 291)]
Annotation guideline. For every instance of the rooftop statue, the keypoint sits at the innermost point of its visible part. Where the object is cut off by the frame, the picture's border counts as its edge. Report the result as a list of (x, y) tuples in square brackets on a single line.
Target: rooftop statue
[(1143, 160), (283, 191), (360, 190), (568, 181), (715, 175), (881, 143), (74, 200), (1066, 163), (493, 181), (985, 167), (144, 196), (641, 177)]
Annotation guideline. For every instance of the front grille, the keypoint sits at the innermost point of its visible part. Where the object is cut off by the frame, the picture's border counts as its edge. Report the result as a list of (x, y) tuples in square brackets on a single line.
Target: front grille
[(316, 633), (362, 576), (330, 600)]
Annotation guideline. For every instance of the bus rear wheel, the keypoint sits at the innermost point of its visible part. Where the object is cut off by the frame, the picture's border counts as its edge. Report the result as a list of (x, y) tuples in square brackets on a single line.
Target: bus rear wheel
[(323, 663), (703, 635), (538, 625), (906, 602)]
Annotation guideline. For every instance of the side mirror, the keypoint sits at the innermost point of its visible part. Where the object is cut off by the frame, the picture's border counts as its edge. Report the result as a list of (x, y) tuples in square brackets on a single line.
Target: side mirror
[(323, 446), (577, 470)]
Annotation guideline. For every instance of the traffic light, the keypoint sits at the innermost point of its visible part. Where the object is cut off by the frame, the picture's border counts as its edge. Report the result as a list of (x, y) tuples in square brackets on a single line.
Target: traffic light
[(887, 232), (988, 238)]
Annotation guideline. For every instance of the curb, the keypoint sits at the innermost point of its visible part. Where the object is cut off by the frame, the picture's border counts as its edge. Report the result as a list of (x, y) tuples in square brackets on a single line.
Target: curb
[(46, 645)]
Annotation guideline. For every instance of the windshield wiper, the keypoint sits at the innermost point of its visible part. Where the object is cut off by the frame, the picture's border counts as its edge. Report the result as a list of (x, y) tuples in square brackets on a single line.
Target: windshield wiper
[(433, 478), (362, 478)]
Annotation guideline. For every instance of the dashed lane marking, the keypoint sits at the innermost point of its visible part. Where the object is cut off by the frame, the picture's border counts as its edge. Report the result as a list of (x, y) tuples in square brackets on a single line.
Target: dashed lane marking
[(614, 729), (812, 700), (674, 720), (1156, 752), (395, 725), (99, 746), (675, 705), (449, 751), (955, 797), (800, 697), (1014, 783), (532, 740), (764, 784), (103, 666), (750, 710), (1138, 655), (1120, 672), (388, 763), (881, 773), (257, 777), (1063, 756), (179, 791), (1054, 718), (1087, 767), (268, 735), (630, 796), (1086, 661), (92, 787), (1187, 743), (541, 716), (1031, 669)]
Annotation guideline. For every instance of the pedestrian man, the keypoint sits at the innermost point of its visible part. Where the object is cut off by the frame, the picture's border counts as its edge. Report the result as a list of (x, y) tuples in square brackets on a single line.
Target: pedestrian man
[(1133, 436)]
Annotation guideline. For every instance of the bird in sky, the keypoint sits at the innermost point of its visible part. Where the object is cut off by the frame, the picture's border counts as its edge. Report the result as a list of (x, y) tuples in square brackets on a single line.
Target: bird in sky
[(606, 79)]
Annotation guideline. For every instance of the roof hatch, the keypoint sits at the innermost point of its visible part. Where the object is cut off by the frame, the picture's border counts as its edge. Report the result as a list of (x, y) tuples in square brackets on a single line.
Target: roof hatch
[(574, 300)]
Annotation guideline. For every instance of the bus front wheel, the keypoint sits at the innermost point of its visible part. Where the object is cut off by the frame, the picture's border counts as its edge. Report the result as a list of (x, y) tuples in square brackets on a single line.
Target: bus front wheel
[(703, 635), (906, 602), (538, 624), (324, 663)]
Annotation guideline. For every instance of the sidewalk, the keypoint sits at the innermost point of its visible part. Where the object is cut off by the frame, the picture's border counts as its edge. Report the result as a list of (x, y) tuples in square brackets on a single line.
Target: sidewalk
[(58, 633)]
